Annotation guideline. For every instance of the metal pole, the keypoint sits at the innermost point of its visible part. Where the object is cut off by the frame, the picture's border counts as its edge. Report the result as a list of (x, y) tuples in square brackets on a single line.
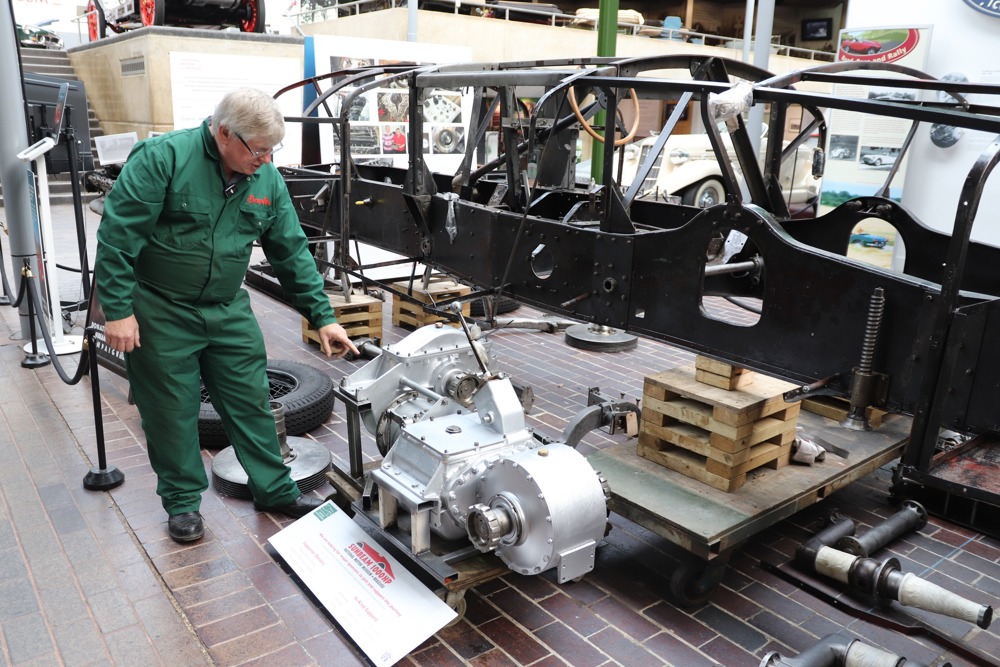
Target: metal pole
[(81, 227), (411, 20), (761, 58), (13, 140), (607, 41), (102, 477), (747, 29)]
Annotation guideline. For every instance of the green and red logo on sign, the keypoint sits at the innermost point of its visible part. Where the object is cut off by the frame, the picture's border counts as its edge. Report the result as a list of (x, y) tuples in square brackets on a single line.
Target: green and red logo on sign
[(879, 46), (991, 7)]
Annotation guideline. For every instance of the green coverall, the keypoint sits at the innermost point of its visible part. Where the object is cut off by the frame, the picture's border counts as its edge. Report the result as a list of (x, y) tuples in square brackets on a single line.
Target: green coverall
[(173, 247)]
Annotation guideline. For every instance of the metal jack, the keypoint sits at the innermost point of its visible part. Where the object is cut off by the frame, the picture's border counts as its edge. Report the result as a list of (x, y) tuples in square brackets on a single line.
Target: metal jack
[(839, 651), (865, 382), (911, 517)]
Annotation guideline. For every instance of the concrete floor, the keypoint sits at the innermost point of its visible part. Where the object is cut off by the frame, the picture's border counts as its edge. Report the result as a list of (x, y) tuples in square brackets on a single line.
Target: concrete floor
[(91, 578)]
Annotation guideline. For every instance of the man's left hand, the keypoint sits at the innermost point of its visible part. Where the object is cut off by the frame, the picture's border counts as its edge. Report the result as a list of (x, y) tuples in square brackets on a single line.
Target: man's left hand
[(333, 341)]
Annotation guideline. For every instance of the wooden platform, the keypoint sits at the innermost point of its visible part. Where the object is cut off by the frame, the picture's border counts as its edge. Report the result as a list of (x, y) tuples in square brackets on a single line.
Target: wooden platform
[(361, 318), (714, 434), (405, 313), (707, 521)]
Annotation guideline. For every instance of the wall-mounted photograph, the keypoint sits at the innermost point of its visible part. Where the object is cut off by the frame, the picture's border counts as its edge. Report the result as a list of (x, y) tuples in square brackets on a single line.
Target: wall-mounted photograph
[(816, 29), (843, 147), (393, 107), (443, 106), (448, 139)]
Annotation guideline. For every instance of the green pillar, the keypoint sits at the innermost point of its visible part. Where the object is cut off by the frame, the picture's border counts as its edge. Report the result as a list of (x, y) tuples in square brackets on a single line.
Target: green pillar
[(607, 41)]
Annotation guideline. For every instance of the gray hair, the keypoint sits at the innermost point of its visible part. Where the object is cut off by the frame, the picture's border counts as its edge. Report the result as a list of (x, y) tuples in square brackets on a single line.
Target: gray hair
[(252, 114)]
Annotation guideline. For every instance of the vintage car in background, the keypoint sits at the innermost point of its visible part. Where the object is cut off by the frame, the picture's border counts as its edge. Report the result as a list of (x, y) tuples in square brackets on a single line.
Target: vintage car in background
[(38, 38), (123, 15), (691, 172), (866, 240), (879, 159), (857, 45)]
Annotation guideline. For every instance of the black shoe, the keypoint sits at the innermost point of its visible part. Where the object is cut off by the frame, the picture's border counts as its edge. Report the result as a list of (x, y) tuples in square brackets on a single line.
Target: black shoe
[(186, 527), (298, 509)]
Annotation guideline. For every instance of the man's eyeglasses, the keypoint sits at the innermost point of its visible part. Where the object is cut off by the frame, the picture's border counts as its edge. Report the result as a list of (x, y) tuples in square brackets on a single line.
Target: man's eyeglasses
[(257, 155)]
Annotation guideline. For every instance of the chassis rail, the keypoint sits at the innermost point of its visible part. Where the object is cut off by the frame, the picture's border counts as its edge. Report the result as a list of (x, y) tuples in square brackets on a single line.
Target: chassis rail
[(522, 225)]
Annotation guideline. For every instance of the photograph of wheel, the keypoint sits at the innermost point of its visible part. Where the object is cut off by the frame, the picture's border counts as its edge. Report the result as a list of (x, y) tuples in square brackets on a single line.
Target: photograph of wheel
[(306, 393)]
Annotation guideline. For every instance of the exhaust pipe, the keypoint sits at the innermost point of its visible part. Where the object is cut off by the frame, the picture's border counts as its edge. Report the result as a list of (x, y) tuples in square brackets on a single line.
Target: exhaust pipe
[(839, 651)]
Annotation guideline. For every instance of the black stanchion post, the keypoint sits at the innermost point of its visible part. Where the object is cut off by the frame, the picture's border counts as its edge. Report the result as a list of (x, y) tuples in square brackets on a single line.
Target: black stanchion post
[(32, 359), (101, 478), (81, 228), (5, 297)]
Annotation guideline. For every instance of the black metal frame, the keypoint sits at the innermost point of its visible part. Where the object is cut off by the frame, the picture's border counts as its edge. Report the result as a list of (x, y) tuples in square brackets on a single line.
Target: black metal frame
[(600, 254)]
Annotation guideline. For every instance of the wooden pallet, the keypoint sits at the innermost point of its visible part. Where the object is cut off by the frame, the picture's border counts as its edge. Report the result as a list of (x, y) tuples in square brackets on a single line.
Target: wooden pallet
[(712, 434), (361, 318), (405, 313), (837, 409)]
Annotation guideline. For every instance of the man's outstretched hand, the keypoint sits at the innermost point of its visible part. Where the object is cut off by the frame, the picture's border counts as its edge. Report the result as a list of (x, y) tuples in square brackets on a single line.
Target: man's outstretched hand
[(333, 341)]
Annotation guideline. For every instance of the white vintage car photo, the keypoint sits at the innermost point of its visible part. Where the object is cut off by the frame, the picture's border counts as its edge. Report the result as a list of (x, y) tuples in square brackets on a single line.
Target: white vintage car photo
[(688, 169)]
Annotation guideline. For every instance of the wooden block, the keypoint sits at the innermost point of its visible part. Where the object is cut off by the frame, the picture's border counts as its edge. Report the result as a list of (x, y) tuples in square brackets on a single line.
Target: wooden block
[(721, 374), (735, 408), (413, 314), (763, 430), (704, 442), (361, 317), (704, 469), (837, 409), (765, 454), (690, 465)]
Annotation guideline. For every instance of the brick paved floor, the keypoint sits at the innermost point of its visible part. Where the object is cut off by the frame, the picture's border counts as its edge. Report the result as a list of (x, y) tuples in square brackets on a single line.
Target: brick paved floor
[(91, 578)]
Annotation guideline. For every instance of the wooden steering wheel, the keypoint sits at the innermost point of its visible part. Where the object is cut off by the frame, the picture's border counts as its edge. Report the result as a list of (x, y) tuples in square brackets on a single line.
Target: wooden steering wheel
[(571, 95)]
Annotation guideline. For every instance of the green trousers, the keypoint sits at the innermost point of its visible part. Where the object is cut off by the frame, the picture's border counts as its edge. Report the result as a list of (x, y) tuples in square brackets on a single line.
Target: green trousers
[(222, 345)]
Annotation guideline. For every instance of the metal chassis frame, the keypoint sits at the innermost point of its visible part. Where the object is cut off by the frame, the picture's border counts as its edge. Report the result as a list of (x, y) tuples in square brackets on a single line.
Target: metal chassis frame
[(640, 266)]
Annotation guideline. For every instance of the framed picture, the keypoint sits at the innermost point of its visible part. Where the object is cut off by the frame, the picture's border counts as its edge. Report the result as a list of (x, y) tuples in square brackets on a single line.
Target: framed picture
[(816, 29)]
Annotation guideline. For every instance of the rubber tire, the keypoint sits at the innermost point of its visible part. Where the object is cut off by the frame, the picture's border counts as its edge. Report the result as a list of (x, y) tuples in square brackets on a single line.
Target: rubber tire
[(152, 12), (97, 26), (695, 194), (872, 51), (256, 21), (693, 583), (308, 403), (504, 305)]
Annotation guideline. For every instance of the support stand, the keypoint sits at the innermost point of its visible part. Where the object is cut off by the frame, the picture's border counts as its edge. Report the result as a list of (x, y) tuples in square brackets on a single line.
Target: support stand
[(61, 343), (101, 478)]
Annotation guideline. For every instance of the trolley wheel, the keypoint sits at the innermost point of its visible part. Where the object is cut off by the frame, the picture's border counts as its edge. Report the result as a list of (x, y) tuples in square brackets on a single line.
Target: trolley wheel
[(456, 600), (694, 581)]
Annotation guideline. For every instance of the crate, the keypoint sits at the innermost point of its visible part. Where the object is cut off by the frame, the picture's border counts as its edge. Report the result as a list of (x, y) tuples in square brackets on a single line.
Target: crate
[(721, 374), (361, 318), (405, 313), (715, 435), (837, 409)]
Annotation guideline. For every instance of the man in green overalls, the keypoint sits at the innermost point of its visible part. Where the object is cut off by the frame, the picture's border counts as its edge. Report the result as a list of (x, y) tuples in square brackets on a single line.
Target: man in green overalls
[(173, 247)]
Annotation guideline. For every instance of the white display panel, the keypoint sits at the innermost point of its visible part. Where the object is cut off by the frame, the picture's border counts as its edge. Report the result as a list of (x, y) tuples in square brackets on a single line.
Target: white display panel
[(200, 80)]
